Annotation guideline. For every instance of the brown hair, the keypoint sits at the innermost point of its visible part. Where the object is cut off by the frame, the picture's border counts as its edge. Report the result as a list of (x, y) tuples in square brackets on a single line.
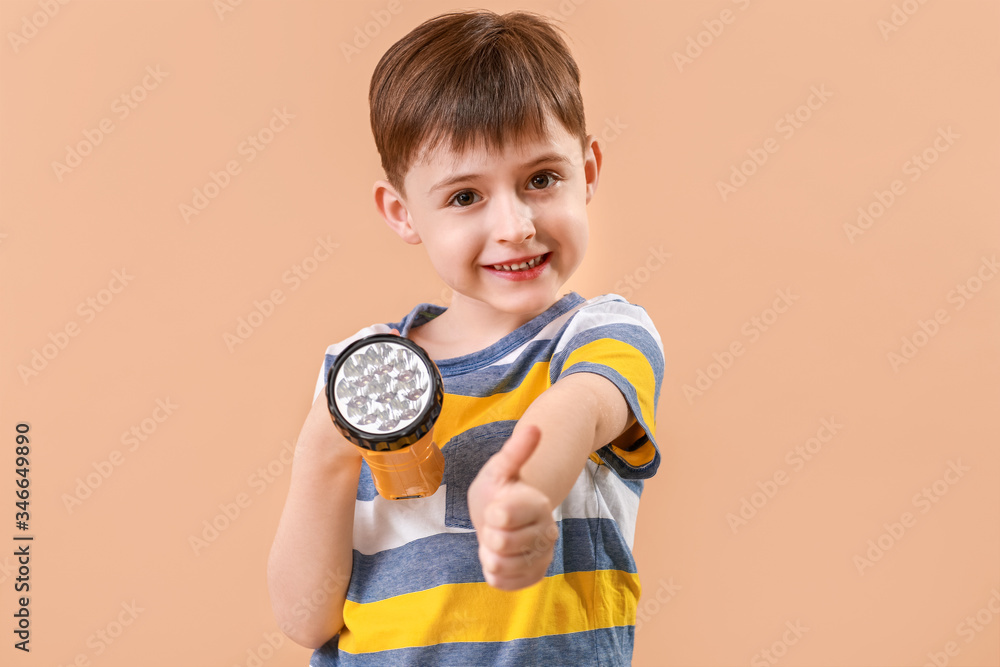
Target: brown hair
[(473, 77)]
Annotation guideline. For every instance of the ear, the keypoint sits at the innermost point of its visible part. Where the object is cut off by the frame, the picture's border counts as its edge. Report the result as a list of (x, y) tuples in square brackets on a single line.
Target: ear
[(592, 159), (392, 207)]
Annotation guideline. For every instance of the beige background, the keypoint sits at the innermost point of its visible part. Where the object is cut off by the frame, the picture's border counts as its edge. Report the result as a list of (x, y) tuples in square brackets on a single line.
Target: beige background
[(712, 595)]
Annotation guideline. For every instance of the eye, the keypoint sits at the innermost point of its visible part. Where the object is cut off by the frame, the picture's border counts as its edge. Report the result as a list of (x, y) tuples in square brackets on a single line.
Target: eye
[(464, 198), (544, 179)]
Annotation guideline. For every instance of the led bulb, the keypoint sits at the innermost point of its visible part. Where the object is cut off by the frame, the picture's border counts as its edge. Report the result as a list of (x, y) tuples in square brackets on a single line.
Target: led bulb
[(373, 378), (384, 394)]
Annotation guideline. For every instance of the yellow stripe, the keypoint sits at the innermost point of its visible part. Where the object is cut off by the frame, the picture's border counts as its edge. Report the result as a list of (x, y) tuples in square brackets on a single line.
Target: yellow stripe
[(637, 457), (477, 612), (460, 413), (627, 360)]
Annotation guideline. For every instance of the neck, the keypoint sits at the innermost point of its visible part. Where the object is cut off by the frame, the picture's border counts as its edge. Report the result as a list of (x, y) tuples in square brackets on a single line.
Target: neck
[(469, 319)]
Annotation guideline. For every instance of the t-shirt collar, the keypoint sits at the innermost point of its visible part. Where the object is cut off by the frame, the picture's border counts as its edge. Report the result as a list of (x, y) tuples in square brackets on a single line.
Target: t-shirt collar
[(424, 312)]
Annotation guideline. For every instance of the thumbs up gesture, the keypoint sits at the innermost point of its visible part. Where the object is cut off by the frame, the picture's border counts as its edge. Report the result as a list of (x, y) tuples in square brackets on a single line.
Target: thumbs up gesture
[(513, 520)]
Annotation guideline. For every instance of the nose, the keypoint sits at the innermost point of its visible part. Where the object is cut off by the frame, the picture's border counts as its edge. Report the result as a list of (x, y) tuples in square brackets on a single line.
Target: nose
[(512, 220)]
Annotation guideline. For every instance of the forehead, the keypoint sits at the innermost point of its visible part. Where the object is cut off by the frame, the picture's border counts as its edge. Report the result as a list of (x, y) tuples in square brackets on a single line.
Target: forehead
[(442, 158)]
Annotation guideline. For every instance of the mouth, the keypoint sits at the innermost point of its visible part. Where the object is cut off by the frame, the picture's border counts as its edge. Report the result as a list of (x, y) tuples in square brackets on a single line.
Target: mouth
[(520, 265), (528, 269)]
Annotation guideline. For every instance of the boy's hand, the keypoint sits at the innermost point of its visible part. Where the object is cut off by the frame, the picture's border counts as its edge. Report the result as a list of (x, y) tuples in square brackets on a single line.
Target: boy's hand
[(513, 519)]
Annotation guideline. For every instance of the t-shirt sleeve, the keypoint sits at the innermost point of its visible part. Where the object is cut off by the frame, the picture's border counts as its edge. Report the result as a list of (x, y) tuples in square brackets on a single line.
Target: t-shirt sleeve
[(330, 358), (617, 339)]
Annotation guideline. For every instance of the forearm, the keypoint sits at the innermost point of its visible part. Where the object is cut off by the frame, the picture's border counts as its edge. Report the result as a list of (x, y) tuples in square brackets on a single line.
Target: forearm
[(313, 546), (577, 415)]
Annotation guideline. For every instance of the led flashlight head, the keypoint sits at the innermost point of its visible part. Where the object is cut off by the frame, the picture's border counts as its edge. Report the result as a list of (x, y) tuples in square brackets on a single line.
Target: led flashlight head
[(384, 394)]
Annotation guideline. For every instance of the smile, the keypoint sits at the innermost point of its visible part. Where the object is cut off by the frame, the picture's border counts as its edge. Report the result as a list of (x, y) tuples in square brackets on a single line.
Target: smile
[(530, 264), (527, 270)]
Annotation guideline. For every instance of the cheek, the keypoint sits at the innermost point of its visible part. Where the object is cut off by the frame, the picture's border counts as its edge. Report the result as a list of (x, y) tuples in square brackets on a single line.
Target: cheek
[(573, 232), (451, 252)]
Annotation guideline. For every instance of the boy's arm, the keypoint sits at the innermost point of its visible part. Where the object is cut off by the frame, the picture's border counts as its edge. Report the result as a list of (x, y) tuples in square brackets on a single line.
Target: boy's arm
[(512, 498), (577, 415), (313, 547)]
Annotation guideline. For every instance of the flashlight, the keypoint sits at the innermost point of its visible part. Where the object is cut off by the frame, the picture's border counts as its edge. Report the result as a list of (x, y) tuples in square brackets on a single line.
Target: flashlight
[(384, 394)]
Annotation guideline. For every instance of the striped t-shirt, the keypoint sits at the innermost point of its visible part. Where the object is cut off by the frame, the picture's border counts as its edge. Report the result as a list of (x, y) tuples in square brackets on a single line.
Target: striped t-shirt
[(417, 595)]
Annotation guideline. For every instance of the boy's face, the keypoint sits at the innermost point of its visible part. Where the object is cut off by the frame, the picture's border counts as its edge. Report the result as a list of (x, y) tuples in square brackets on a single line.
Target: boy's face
[(474, 211)]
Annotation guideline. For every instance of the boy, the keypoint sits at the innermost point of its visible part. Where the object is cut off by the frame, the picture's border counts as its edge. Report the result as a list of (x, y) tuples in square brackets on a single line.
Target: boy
[(523, 555)]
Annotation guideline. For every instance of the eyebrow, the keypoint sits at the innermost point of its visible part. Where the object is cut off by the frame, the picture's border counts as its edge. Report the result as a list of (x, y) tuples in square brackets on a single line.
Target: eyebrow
[(547, 157)]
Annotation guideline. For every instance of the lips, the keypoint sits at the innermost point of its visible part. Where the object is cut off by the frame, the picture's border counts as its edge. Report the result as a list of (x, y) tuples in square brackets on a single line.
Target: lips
[(541, 266), (518, 264)]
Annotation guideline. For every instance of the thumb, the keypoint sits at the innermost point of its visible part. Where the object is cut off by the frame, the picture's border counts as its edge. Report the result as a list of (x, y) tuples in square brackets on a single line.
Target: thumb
[(395, 331), (506, 464)]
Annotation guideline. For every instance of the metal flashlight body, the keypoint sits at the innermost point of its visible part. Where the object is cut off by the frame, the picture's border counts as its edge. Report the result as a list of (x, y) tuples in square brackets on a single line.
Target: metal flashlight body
[(384, 394)]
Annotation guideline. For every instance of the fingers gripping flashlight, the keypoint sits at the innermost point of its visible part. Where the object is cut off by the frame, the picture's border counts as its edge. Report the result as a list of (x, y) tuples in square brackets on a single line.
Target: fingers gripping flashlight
[(384, 394)]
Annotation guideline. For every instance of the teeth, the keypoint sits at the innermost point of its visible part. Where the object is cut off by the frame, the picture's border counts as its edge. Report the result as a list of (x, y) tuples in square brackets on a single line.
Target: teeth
[(519, 267)]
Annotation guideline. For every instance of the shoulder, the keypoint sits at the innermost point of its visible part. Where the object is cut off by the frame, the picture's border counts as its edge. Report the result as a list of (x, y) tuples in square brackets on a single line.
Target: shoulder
[(334, 349), (420, 311), (612, 316), (419, 314)]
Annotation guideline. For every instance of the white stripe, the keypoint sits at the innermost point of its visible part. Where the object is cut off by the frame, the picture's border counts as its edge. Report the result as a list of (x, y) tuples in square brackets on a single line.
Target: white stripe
[(337, 347), (606, 309), (382, 524), (599, 494)]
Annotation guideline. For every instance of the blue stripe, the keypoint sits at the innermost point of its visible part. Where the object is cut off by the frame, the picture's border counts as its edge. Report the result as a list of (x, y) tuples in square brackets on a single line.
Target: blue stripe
[(635, 485), (366, 484), (453, 558), (608, 647), (632, 334), (500, 378)]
